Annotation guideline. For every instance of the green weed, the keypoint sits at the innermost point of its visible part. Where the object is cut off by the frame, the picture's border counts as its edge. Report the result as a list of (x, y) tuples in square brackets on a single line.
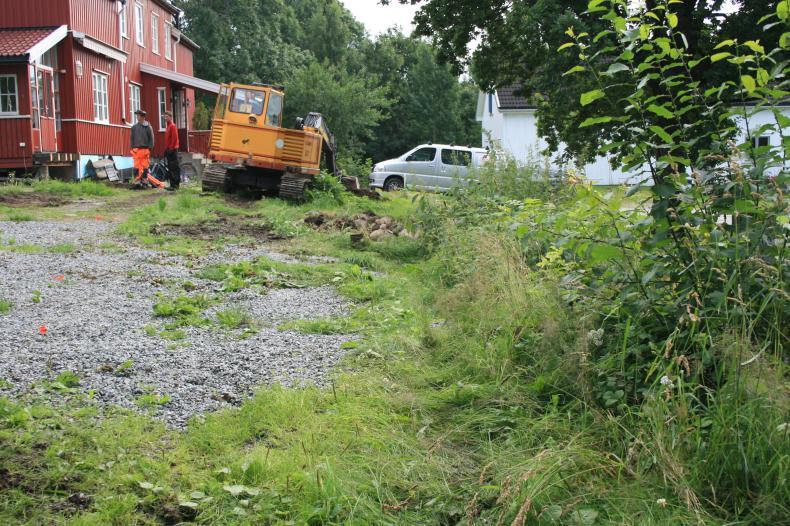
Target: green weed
[(234, 318), (5, 306)]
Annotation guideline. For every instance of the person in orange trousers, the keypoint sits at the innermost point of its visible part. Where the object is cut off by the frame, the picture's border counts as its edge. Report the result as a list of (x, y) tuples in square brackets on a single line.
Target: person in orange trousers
[(142, 144)]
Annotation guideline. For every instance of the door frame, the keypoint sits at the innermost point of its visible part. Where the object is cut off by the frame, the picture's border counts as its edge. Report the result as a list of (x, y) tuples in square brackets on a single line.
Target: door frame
[(50, 103)]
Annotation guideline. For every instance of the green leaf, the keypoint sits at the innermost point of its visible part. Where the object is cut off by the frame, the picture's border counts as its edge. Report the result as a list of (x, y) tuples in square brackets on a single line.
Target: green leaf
[(574, 69), (145, 485), (661, 132), (744, 206), (783, 10), (784, 40), (661, 111), (748, 83), (672, 18), (617, 67), (591, 121), (724, 43), (720, 56), (591, 96), (600, 253), (755, 46), (566, 45), (762, 77)]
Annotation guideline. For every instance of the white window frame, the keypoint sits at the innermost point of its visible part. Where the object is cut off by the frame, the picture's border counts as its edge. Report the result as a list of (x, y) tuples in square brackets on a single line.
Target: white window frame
[(101, 97), (161, 104), (124, 21), (134, 102), (139, 24), (15, 95), (154, 33), (168, 41)]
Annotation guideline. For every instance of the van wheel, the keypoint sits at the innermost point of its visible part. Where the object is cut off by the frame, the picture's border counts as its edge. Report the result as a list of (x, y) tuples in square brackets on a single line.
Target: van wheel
[(393, 184)]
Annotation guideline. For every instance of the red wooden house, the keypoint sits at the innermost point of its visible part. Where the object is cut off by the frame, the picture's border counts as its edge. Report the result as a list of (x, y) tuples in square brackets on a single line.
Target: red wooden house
[(73, 72)]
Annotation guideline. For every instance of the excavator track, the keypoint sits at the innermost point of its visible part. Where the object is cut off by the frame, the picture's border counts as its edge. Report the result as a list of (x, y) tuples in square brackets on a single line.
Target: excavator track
[(216, 178), (294, 186)]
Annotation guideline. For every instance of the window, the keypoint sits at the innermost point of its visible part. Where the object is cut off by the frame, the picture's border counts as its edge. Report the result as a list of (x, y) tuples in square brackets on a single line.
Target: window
[(134, 99), (274, 110), (9, 100), (168, 41), (222, 103), (34, 101), (763, 140), (124, 22), (161, 97), (247, 101), (155, 33), (422, 155), (456, 157), (101, 112), (138, 24)]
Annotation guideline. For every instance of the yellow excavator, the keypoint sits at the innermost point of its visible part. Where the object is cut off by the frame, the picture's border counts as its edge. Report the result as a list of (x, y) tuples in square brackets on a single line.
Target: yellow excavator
[(251, 150)]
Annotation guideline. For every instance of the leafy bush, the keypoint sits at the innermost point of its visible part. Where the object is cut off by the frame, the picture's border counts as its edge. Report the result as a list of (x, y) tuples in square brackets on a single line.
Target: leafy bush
[(326, 185)]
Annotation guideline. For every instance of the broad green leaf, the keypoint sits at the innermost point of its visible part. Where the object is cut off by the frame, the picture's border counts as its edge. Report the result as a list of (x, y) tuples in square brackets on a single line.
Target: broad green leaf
[(748, 83), (574, 69), (594, 120), (672, 18), (661, 111), (619, 23), (616, 68), (724, 43), (145, 485), (762, 77), (783, 10), (755, 46), (784, 40), (745, 206), (591, 96), (600, 253), (566, 45), (720, 56), (661, 132)]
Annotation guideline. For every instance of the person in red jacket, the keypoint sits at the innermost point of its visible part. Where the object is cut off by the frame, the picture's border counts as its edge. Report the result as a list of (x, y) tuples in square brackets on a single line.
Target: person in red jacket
[(171, 151)]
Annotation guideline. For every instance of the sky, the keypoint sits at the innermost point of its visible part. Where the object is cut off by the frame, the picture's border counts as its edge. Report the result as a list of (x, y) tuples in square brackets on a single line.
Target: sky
[(378, 18)]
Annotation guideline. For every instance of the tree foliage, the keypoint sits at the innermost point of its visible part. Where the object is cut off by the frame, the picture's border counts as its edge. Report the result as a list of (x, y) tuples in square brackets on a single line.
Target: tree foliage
[(517, 42), (380, 96)]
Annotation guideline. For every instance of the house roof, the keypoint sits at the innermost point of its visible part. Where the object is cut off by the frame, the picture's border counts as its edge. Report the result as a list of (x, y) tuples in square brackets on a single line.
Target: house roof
[(508, 100), (19, 44)]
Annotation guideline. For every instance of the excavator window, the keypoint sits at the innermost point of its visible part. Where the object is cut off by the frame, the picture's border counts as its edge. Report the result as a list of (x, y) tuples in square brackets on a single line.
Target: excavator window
[(274, 111), (249, 101), (222, 103)]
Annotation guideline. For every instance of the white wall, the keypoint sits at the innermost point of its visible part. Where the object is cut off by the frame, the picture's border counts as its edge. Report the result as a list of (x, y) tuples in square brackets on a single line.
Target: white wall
[(516, 132)]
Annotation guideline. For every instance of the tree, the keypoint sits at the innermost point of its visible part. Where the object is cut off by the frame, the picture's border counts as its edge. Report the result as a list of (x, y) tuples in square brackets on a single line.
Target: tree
[(518, 42), (353, 105)]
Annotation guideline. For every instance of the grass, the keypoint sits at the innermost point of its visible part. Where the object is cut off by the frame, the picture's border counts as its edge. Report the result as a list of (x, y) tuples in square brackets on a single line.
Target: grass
[(5, 306), (464, 399)]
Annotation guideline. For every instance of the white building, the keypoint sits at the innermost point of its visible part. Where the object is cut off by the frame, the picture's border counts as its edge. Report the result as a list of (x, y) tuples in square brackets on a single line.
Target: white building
[(510, 124)]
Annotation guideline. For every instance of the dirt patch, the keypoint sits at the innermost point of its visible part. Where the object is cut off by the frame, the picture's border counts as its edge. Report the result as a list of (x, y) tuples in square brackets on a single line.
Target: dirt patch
[(218, 228), (368, 224), (32, 199)]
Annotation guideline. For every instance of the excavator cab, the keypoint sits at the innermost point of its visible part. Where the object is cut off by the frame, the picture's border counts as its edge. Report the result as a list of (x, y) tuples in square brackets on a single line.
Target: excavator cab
[(251, 149)]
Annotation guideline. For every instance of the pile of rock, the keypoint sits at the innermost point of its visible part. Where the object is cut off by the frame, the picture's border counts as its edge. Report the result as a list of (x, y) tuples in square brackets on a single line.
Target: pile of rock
[(368, 224)]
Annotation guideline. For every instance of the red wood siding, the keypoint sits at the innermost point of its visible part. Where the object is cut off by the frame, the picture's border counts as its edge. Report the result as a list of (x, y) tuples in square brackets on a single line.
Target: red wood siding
[(33, 13), (12, 132), (17, 130)]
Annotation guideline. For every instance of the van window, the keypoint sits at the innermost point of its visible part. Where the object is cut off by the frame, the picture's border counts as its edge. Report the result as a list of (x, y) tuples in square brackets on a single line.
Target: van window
[(456, 157), (422, 155), (248, 101)]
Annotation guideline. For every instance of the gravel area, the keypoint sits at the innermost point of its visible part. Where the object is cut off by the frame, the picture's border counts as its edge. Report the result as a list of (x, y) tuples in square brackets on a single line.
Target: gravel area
[(96, 302)]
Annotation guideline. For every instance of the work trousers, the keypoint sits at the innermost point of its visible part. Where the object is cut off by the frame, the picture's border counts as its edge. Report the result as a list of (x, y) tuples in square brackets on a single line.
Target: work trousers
[(172, 166)]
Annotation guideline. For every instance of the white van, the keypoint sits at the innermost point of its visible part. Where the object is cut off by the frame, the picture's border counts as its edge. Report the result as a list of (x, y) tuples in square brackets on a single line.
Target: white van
[(434, 167)]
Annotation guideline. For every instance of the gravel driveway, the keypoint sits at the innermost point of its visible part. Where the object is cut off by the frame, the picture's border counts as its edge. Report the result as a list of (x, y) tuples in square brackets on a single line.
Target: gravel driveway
[(95, 303)]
